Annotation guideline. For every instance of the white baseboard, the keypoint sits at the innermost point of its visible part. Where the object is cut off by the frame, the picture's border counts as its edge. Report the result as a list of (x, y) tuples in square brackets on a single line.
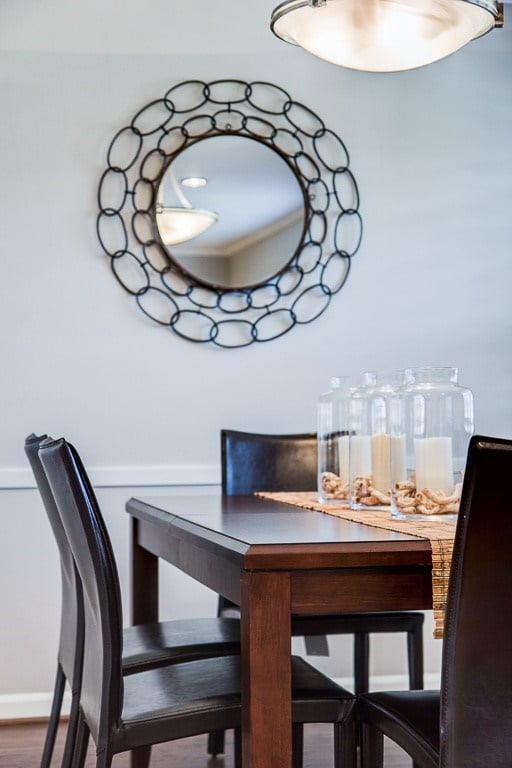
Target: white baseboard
[(27, 706), (431, 681)]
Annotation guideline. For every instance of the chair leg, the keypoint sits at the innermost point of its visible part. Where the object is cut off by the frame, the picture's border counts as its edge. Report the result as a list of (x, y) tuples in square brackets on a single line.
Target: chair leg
[(216, 743), (415, 661), (372, 747), (361, 662), (415, 658), (297, 745), (72, 731), (104, 759), (140, 757), (81, 743), (238, 748), (345, 745), (53, 722)]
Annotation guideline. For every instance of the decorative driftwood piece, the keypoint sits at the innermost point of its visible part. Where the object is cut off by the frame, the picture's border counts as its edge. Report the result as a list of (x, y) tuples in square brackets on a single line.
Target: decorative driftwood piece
[(407, 498), (333, 487), (365, 493), (426, 501)]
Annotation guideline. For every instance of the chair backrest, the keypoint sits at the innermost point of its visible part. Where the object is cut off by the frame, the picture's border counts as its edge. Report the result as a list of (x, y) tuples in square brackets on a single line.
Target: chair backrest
[(476, 687), (72, 616), (254, 462), (102, 689)]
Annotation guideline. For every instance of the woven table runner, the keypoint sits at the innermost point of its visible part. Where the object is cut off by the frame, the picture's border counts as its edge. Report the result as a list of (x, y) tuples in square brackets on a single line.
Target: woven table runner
[(440, 534)]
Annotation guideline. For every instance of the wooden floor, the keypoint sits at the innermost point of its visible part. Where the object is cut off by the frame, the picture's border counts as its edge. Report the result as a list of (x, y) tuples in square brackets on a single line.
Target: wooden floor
[(21, 745)]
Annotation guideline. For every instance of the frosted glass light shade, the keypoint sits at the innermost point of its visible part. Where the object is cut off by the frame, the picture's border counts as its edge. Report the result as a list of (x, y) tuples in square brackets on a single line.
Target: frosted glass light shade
[(177, 225), (383, 35)]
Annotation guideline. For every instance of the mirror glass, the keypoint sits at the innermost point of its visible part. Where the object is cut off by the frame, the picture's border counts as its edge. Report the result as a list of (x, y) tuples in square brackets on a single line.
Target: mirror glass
[(249, 203)]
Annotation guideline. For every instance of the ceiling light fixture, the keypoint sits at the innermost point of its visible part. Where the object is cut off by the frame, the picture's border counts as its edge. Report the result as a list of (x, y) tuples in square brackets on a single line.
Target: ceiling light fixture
[(384, 35), (178, 224)]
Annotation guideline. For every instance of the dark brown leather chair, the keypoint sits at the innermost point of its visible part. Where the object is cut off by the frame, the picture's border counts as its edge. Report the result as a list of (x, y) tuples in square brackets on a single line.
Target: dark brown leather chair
[(260, 462), (175, 701), (144, 647), (468, 723)]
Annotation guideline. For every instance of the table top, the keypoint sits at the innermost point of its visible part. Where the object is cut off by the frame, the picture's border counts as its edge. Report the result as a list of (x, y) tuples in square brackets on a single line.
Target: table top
[(254, 529)]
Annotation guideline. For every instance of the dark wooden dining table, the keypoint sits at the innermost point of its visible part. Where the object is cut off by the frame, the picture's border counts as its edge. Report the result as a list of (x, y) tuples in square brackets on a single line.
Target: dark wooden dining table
[(274, 560)]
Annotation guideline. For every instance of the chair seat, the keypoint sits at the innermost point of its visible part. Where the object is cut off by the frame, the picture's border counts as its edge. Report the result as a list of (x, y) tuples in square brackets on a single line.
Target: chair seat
[(409, 718), (349, 623), (187, 699), (146, 646)]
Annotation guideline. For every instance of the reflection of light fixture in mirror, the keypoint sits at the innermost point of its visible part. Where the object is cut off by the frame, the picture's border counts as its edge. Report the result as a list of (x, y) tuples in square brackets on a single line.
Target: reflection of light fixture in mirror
[(179, 224), (384, 35), (194, 182)]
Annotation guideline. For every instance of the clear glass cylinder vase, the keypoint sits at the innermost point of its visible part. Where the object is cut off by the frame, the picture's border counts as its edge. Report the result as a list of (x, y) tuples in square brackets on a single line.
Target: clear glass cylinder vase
[(434, 425), (333, 438), (371, 441)]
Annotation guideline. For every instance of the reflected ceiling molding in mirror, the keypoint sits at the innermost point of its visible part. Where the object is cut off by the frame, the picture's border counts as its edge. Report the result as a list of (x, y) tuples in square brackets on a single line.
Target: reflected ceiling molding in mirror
[(282, 210), (260, 211)]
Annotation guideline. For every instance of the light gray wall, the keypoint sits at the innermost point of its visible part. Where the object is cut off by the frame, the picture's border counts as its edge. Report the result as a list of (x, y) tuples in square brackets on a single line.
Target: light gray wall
[(432, 153)]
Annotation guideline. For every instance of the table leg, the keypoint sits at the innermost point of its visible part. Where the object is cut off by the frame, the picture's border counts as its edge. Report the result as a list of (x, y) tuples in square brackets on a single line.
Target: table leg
[(266, 670), (144, 581), (144, 588)]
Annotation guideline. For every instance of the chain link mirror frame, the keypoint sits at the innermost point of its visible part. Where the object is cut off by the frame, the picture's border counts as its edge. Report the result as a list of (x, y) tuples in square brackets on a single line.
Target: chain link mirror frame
[(140, 153)]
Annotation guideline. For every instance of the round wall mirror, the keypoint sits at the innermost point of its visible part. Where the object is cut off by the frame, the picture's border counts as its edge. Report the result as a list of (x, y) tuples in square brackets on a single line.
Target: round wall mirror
[(228, 212), (244, 201)]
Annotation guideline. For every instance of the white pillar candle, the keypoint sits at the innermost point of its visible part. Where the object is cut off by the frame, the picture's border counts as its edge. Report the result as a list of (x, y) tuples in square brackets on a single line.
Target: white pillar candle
[(360, 456), (434, 464), (398, 460), (381, 462), (343, 458)]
